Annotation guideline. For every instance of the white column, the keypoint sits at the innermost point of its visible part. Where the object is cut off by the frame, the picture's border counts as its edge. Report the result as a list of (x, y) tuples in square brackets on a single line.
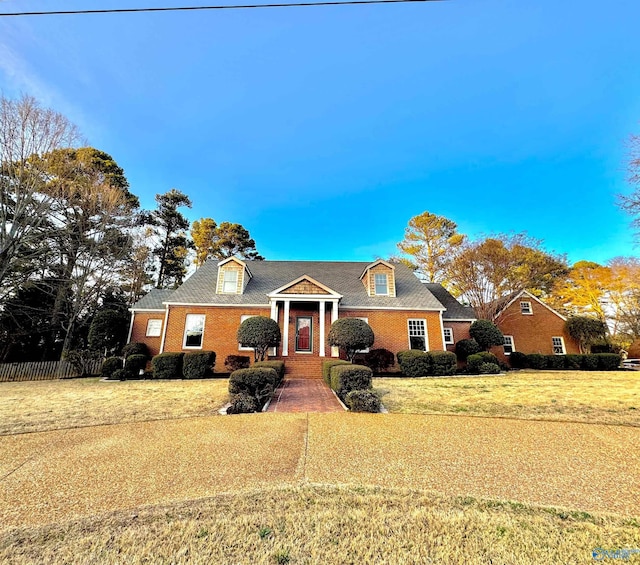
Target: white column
[(322, 328), (285, 321), (335, 352), (274, 310)]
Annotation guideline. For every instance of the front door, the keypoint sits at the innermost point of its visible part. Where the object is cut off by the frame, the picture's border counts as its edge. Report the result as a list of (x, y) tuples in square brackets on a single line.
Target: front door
[(303, 334)]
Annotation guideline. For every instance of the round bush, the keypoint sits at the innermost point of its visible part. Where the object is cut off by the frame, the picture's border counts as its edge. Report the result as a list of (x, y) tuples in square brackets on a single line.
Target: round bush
[(242, 404), (475, 361), (198, 365), (351, 335), (363, 401), (466, 347), (345, 378), (489, 369), (135, 348), (259, 332), (134, 364), (486, 333), (415, 363), (110, 365), (443, 363)]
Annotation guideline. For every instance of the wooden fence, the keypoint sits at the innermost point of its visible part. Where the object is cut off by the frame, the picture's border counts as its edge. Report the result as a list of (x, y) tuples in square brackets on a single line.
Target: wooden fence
[(43, 371)]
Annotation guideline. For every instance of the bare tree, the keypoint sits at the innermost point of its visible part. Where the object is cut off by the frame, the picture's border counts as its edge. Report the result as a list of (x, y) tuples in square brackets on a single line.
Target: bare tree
[(26, 130), (631, 202)]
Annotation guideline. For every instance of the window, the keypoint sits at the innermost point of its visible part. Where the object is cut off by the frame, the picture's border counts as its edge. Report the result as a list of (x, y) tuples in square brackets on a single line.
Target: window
[(380, 280), (230, 281), (154, 328), (367, 349), (509, 345), (448, 335), (193, 331), (418, 335), (525, 307), (558, 345)]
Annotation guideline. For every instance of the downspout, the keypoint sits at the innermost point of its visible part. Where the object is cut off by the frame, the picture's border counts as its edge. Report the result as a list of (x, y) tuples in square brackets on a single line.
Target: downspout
[(133, 315), (164, 329)]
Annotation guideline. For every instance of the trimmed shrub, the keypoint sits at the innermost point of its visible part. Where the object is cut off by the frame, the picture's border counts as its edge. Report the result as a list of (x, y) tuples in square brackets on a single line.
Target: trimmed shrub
[(198, 365), (608, 361), (134, 364), (466, 347), (258, 382), (489, 369), (590, 363), (278, 366), (555, 362), (344, 379), (167, 366), (415, 363), (119, 375), (242, 404), (486, 333), (234, 362), (350, 335), (259, 332), (537, 361), (573, 361), (110, 365), (476, 360), (363, 401), (443, 363), (135, 348), (326, 368), (518, 360), (378, 359)]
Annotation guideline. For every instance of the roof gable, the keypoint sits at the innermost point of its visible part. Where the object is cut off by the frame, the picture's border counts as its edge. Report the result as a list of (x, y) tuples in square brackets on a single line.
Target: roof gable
[(304, 285), (527, 294)]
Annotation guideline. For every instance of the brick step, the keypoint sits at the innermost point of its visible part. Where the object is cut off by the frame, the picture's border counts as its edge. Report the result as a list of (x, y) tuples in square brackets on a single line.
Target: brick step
[(303, 368)]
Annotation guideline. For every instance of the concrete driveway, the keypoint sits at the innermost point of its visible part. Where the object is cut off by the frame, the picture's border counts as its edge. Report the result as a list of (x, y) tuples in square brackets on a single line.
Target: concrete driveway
[(53, 476)]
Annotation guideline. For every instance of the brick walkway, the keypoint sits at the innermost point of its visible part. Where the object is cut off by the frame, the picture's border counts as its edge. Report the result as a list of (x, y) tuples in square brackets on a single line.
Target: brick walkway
[(304, 395)]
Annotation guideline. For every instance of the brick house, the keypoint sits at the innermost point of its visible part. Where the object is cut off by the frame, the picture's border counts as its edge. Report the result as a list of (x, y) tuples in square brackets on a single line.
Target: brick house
[(530, 326), (304, 297)]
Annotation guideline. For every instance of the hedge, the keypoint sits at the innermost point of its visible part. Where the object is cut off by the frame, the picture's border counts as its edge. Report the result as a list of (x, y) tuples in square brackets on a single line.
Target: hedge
[(489, 369), (377, 359), (198, 365), (167, 366), (415, 363), (537, 361), (110, 366), (363, 401), (475, 361), (345, 378), (326, 368), (278, 366), (443, 363), (135, 348), (242, 404), (574, 362), (234, 362), (134, 364), (555, 362), (518, 360), (466, 347), (608, 361), (257, 382)]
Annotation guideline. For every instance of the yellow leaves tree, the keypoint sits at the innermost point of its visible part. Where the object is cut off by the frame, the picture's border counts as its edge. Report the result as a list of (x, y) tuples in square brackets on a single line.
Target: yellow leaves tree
[(203, 234), (429, 242)]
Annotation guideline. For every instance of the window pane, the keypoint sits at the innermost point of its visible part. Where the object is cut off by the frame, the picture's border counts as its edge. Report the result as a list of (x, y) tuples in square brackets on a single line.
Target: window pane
[(448, 335), (230, 281), (508, 344), (381, 284), (525, 307), (417, 335), (193, 330), (154, 328), (558, 345), (417, 343)]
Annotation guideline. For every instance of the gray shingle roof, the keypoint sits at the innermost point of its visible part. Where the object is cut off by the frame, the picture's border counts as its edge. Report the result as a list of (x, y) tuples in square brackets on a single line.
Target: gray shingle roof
[(342, 277), (153, 300), (455, 310)]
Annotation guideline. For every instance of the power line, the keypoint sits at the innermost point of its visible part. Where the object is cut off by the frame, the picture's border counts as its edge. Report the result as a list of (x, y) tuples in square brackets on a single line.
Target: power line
[(218, 7)]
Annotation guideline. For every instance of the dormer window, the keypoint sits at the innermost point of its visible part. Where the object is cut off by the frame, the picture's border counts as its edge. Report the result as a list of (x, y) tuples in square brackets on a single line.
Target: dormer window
[(381, 284), (230, 282), (525, 307)]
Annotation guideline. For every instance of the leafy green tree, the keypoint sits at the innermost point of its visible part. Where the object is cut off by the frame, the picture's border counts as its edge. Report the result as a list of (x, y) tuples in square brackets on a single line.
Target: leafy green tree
[(222, 241), (587, 331), (108, 332), (261, 333), (169, 226), (429, 242), (27, 132), (351, 335), (486, 334)]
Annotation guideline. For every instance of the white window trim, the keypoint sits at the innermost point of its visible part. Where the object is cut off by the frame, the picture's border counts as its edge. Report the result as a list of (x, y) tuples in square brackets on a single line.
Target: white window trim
[(564, 350), (426, 332), (530, 312), (159, 334), (367, 349), (184, 337), (375, 286), (513, 344), (271, 352), (444, 336), (224, 281)]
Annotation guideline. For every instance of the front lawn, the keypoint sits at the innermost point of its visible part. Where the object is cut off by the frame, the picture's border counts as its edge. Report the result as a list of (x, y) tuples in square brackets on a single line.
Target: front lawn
[(50, 405), (598, 397)]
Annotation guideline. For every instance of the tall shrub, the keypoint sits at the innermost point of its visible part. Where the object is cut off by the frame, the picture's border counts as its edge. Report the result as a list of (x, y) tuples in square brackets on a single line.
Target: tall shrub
[(351, 335), (486, 333), (260, 333)]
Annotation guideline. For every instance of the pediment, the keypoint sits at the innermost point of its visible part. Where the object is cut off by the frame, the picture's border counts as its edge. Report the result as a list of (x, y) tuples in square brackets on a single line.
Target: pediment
[(304, 285)]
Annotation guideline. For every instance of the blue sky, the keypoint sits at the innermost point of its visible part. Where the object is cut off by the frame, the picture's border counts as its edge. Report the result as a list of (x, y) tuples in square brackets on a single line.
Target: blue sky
[(324, 130)]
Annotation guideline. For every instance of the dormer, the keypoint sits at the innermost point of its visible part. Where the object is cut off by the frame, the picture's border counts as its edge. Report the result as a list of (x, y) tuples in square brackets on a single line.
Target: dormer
[(379, 279), (233, 276)]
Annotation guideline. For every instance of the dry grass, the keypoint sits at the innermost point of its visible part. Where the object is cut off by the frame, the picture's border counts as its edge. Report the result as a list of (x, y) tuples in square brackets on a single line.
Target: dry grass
[(52, 405), (596, 397), (322, 524)]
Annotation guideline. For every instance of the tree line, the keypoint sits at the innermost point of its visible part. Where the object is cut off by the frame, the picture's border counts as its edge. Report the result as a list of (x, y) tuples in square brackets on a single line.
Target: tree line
[(74, 239)]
